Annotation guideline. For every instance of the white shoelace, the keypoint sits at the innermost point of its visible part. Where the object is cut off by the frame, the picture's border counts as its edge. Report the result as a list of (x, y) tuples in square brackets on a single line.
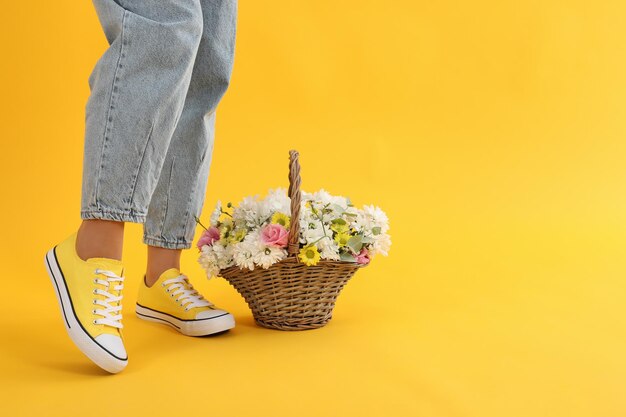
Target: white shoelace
[(186, 295), (111, 312)]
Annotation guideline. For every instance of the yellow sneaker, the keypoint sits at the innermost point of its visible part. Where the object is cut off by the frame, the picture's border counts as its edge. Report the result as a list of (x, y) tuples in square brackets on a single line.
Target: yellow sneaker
[(172, 300), (90, 294)]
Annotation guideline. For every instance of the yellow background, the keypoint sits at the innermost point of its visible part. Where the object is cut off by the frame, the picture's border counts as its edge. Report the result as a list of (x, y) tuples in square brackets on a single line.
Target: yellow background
[(491, 132)]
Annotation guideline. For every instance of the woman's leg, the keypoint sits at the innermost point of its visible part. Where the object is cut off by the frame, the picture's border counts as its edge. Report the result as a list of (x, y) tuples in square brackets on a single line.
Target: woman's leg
[(100, 239), (180, 191), (138, 89), (137, 93)]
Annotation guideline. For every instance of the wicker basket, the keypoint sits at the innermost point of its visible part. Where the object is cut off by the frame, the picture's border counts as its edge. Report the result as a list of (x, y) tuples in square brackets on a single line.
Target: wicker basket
[(290, 295)]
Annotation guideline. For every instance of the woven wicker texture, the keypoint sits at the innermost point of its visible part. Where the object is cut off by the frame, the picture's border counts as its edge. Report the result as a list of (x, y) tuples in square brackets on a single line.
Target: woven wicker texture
[(290, 295)]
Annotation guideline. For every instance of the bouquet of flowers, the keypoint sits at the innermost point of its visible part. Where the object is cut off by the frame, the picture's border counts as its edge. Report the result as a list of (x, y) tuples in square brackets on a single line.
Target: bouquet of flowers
[(254, 234)]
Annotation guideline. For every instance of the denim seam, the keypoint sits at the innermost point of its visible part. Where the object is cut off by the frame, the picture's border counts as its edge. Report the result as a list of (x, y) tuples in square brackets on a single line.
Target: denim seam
[(167, 197), (113, 214), (170, 244), (136, 174), (111, 102), (188, 208)]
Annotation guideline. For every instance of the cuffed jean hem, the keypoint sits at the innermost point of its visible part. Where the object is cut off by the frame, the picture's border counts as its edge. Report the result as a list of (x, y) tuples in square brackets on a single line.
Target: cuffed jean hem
[(167, 244), (114, 215)]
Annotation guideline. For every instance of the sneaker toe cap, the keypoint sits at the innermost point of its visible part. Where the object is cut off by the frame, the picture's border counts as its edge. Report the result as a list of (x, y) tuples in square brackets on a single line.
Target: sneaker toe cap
[(113, 344)]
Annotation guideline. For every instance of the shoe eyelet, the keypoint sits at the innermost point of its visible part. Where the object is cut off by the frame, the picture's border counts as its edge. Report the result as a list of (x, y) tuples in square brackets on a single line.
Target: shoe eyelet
[(94, 301), (93, 311), (93, 292), (94, 322)]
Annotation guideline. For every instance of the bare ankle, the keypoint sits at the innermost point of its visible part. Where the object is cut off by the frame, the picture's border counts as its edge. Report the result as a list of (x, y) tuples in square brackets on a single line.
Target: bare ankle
[(100, 239), (159, 261)]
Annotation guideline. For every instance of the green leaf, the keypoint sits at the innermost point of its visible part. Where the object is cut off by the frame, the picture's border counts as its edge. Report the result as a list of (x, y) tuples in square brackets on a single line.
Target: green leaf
[(356, 243), (367, 239), (347, 257), (376, 230), (339, 221)]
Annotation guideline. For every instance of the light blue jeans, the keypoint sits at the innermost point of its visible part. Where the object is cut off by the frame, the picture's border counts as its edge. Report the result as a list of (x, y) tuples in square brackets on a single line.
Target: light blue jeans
[(150, 115)]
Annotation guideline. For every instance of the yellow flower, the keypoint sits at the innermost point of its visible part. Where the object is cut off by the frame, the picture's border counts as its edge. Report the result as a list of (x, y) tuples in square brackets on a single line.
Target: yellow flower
[(237, 235), (342, 239), (225, 227), (309, 255), (339, 227), (282, 219)]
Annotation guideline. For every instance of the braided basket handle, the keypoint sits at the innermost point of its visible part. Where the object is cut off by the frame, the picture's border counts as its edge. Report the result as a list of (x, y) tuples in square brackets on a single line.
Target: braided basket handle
[(295, 196)]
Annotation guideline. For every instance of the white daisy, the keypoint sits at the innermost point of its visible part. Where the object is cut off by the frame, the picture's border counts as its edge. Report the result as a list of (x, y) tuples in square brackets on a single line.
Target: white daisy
[(376, 218), (269, 255), (277, 201), (216, 213), (246, 214), (381, 244), (223, 255), (208, 261), (329, 249), (313, 232), (322, 196), (245, 251), (243, 255)]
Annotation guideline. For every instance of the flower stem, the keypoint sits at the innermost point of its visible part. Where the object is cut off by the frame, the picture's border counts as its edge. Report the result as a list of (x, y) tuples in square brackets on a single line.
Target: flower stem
[(200, 223), (323, 237), (321, 218)]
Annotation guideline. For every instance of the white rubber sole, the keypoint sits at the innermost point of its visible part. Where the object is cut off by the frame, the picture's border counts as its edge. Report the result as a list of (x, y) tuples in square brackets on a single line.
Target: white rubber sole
[(98, 354), (200, 327)]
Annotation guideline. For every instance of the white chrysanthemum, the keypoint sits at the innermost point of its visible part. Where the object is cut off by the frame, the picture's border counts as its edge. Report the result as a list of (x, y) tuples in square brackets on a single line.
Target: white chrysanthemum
[(264, 214), (245, 251), (313, 232), (243, 255), (362, 222), (269, 255), (216, 213), (253, 237), (376, 217), (350, 215), (208, 261), (246, 214), (277, 201), (337, 200), (223, 255), (381, 244), (322, 196), (305, 195), (329, 249), (207, 252)]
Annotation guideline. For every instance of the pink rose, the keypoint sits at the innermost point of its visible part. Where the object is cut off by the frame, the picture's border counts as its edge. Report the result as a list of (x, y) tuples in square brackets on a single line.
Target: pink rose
[(275, 235), (212, 234), (363, 257)]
